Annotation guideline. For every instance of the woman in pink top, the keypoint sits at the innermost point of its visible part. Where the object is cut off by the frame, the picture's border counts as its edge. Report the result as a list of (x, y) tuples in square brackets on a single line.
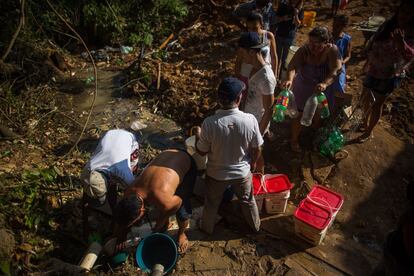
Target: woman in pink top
[(390, 53)]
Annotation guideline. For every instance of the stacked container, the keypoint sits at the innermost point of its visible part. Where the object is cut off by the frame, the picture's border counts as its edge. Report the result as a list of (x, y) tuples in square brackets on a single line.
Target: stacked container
[(316, 213), (272, 192)]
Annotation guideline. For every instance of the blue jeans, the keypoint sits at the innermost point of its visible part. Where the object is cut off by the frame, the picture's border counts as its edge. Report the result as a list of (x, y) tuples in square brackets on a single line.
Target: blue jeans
[(282, 48)]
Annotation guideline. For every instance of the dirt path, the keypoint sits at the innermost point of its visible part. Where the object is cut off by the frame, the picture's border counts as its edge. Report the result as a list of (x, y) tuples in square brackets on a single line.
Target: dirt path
[(372, 178)]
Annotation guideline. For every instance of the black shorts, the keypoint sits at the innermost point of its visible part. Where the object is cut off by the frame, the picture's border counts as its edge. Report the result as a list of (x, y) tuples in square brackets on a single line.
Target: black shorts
[(382, 87), (185, 190)]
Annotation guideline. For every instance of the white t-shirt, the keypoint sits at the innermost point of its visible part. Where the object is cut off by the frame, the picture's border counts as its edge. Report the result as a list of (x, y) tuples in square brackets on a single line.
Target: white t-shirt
[(228, 137), (116, 154), (263, 82)]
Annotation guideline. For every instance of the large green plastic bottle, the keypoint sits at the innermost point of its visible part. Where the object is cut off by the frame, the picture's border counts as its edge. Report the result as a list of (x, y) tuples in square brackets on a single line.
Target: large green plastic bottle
[(323, 101), (333, 144), (282, 102)]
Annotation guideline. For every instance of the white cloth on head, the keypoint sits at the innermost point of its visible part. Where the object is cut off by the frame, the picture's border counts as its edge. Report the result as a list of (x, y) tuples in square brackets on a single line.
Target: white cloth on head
[(228, 136), (116, 155), (262, 83)]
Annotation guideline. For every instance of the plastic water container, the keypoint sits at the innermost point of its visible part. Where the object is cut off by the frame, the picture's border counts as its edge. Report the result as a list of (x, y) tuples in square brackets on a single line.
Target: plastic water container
[(272, 192), (309, 111), (316, 213), (91, 256), (376, 21), (156, 249), (201, 161), (326, 198), (258, 191), (276, 203), (291, 53), (311, 222), (309, 18)]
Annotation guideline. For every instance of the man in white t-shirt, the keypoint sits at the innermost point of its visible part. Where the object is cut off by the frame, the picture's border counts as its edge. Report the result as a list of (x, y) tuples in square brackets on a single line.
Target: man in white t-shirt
[(114, 161), (262, 84), (232, 140)]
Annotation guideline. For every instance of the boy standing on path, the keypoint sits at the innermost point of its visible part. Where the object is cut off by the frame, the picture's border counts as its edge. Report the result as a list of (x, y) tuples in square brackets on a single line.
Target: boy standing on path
[(342, 40), (232, 140)]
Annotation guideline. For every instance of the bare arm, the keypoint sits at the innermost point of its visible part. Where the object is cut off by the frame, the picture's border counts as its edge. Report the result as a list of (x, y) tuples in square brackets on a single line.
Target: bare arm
[(238, 63), (295, 64), (255, 154), (202, 153), (347, 56), (335, 65), (197, 133), (299, 5), (267, 105), (273, 52), (298, 8), (167, 208)]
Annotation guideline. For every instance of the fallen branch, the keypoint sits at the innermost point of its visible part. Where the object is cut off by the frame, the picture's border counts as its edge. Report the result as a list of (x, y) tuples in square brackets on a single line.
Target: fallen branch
[(95, 75), (70, 118), (166, 42), (16, 33), (159, 76)]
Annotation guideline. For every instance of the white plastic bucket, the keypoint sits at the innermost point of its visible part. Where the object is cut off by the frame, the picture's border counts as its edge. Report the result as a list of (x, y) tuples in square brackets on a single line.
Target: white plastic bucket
[(309, 233), (260, 202), (276, 203), (291, 53), (201, 161)]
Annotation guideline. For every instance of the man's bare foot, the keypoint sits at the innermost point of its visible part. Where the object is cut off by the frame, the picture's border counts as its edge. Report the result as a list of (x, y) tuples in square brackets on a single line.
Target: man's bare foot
[(182, 243), (365, 137)]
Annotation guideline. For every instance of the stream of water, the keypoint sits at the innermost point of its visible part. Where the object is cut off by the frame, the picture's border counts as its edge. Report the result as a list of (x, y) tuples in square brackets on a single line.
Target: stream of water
[(112, 110)]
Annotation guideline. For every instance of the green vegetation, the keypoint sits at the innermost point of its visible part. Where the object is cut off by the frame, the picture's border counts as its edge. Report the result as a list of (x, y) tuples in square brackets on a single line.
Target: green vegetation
[(30, 196), (132, 22)]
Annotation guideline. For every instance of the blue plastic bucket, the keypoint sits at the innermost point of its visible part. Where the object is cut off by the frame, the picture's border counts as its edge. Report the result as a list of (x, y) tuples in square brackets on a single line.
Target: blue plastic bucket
[(157, 248)]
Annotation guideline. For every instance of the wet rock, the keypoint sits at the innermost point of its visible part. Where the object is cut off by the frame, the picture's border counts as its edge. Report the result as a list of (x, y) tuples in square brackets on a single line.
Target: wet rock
[(321, 167), (7, 244)]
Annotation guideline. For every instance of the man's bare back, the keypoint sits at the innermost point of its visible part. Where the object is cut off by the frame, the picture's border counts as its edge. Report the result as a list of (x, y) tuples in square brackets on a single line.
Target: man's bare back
[(160, 179)]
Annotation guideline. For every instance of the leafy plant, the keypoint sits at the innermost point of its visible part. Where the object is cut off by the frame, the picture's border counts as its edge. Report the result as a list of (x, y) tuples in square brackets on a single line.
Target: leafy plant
[(134, 22), (30, 197)]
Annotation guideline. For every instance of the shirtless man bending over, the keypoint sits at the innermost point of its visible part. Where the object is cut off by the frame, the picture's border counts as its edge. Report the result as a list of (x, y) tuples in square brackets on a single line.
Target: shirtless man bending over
[(167, 184)]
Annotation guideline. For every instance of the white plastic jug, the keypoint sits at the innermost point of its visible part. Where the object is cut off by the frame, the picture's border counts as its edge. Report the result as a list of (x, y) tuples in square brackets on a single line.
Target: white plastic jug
[(291, 53), (201, 161)]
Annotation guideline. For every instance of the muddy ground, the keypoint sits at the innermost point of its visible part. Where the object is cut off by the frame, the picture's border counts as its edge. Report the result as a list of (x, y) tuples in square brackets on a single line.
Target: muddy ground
[(372, 179)]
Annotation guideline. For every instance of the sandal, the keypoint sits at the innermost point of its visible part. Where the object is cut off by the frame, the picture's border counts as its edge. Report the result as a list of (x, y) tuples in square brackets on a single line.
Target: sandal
[(362, 128), (364, 138)]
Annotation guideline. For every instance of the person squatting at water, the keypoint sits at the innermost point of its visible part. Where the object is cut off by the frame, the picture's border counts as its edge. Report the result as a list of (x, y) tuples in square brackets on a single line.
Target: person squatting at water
[(166, 183), (113, 164), (232, 141)]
